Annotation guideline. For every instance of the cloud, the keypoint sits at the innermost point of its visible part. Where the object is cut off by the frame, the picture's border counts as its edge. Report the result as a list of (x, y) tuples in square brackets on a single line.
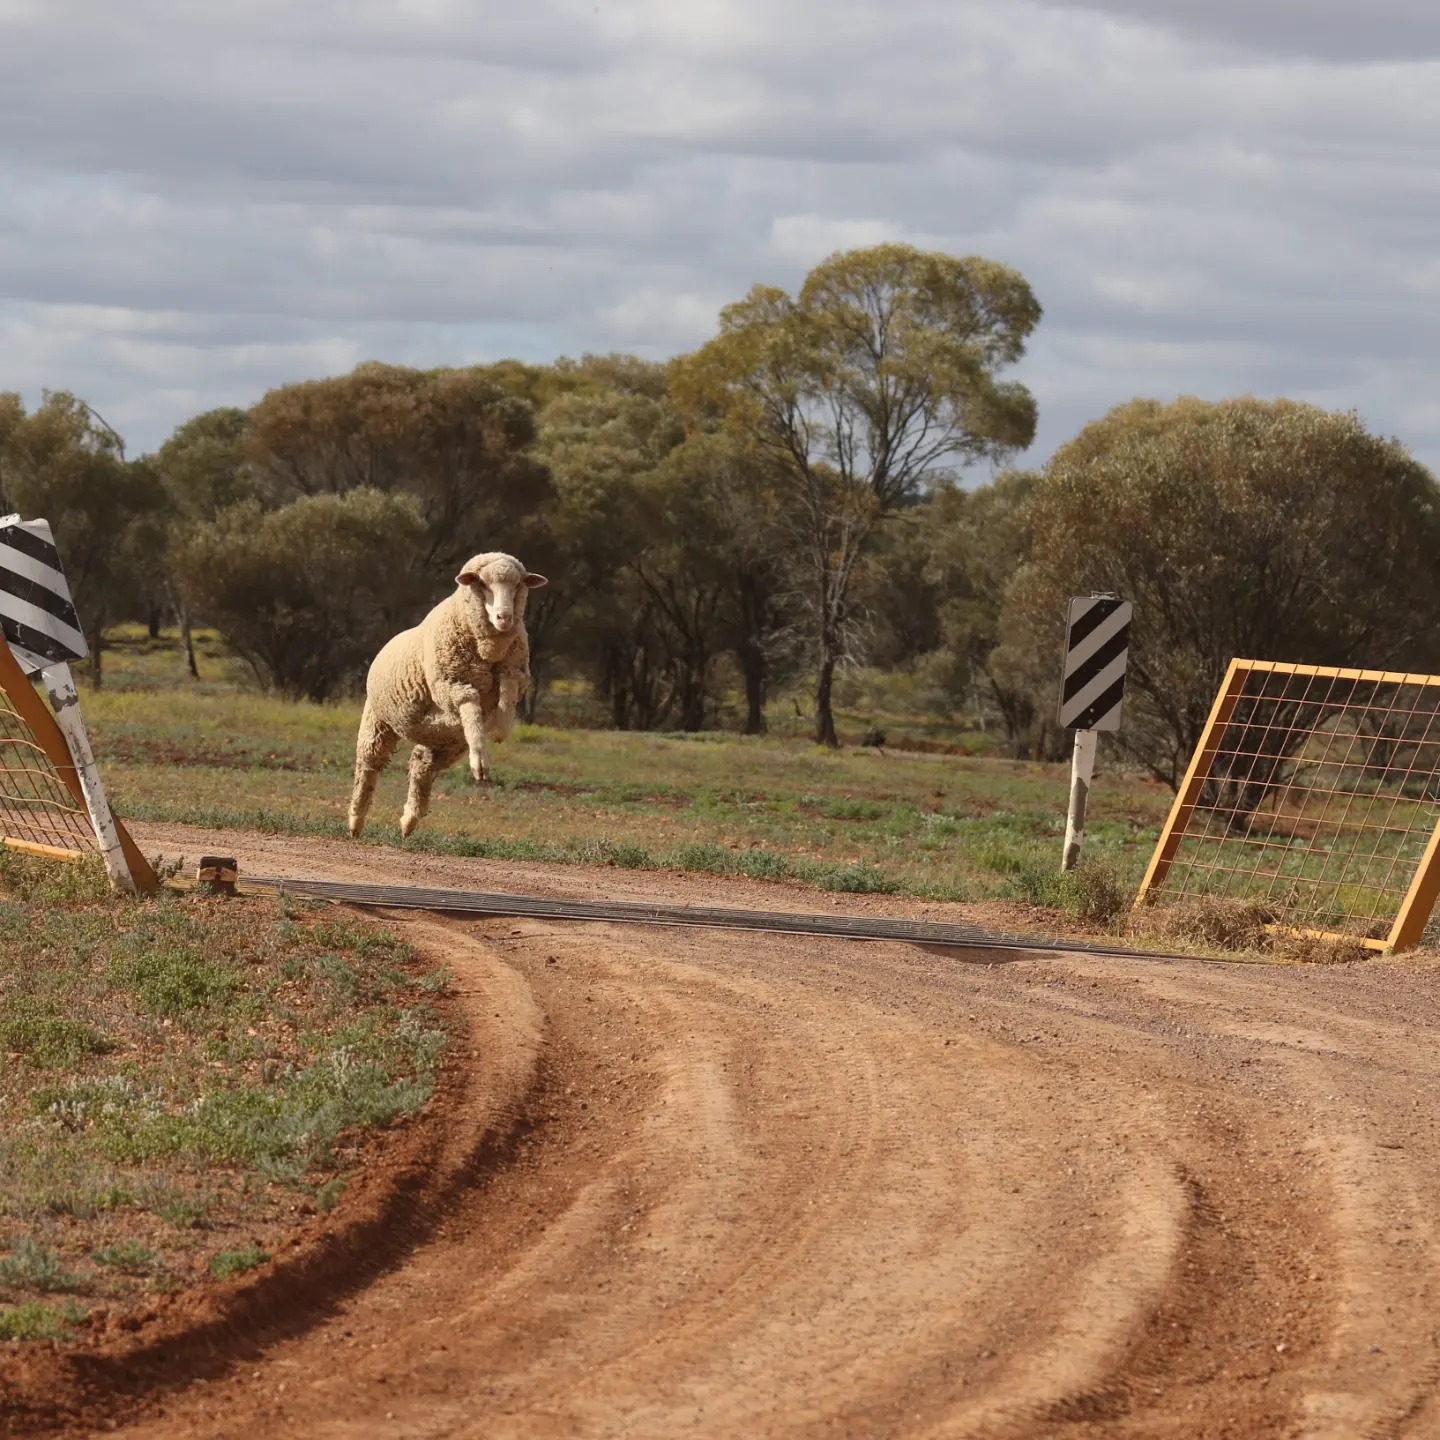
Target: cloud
[(659, 322), (1337, 30), (200, 201)]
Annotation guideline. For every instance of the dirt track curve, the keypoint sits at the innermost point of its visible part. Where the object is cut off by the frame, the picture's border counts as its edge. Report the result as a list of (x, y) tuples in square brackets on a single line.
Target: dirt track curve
[(773, 1186)]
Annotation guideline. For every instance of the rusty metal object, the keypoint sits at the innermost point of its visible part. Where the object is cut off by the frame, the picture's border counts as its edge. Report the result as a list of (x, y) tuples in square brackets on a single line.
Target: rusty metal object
[(217, 874)]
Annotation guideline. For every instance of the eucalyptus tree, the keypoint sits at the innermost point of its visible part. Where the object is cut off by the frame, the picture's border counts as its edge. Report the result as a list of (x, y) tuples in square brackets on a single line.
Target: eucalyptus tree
[(876, 379)]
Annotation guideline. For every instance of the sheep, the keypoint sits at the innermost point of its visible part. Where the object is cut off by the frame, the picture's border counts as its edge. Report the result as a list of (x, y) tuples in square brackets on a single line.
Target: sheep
[(448, 684)]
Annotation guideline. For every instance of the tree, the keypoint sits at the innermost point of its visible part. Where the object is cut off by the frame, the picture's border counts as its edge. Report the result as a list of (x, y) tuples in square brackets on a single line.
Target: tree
[(203, 469), (12, 418), (978, 540), (726, 560), (307, 594), (897, 592), (64, 464), (599, 444), (455, 440), (879, 378), (1263, 530), (203, 464)]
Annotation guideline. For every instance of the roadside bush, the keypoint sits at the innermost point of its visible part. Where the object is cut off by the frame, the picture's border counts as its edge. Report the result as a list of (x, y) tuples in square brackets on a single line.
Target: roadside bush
[(307, 594)]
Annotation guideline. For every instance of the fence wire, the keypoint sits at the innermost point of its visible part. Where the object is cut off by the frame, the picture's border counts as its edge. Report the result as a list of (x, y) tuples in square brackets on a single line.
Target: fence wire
[(1320, 796), (35, 806)]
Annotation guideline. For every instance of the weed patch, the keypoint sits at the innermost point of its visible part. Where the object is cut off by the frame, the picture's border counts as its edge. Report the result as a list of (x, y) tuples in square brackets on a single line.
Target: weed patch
[(32, 1266), (1239, 926), (35, 1320), (129, 1255), (236, 1262)]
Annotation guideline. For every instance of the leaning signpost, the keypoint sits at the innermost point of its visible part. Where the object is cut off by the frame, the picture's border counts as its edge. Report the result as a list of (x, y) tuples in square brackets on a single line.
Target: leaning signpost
[(41, 635), (1097, 649)]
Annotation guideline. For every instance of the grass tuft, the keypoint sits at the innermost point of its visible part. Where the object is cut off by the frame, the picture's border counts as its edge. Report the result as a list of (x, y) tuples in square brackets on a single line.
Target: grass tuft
[(1241, 926), (48, 1041), (129, 1255), (32, 1266), (237, 1262), (36, 1321)]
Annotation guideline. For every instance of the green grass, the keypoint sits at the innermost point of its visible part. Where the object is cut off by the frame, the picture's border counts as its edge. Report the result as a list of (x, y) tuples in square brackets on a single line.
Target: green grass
[(237, 1262), (35, 1320), (950, 827), (179, 1074), (963, 825), (32, 1266), (128, 1255)]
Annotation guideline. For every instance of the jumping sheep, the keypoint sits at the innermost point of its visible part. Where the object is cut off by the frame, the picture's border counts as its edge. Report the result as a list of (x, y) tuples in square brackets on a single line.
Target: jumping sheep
[(447, 685)]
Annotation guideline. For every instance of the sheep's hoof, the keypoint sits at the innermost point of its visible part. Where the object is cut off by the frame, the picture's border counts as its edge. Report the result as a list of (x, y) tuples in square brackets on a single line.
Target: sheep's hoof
[(408, 822), (357, 824)]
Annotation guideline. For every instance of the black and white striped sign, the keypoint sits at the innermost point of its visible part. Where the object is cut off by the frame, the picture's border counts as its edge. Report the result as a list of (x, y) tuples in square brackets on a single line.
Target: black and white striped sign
[(37, 616), (1097, 648)]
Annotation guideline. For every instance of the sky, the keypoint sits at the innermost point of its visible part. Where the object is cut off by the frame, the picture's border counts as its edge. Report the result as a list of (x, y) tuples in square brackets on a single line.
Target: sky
[(1208, 197)]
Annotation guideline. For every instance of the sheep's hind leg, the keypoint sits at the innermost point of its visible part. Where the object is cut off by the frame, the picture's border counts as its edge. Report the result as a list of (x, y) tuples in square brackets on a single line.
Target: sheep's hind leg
[(473, 720), (374, 746), (426, 762)]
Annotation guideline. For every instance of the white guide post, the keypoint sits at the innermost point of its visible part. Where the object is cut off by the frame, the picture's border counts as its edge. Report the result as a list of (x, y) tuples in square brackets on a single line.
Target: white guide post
[(1082, 767), (65, 701)]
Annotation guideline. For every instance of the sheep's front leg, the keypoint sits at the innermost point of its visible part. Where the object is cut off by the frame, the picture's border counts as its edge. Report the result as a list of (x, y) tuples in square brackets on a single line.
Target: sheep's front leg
[(472, 719), (507, 708)]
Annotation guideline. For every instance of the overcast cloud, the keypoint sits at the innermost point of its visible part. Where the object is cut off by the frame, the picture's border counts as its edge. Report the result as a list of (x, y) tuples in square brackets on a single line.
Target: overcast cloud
[(1209, 197)]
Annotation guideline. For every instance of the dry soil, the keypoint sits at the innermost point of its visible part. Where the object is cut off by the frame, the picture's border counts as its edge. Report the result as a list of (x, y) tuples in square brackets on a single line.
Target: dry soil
[(776, 1186)]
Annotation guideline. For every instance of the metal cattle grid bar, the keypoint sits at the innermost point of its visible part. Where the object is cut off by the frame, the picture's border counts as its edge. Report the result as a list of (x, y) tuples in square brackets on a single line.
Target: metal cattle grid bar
[(629, 912)]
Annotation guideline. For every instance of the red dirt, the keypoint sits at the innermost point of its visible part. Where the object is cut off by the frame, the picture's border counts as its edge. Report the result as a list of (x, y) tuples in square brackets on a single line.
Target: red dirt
[(793, 1186)]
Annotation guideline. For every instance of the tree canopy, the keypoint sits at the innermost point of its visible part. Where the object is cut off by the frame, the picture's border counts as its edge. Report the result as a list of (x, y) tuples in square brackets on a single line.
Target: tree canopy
[(875, 382), (455, 440), (1269, 530)]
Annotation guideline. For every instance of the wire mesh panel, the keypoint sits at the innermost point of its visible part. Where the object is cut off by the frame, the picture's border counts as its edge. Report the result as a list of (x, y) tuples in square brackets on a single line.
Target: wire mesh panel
[(37, 809), (1316, 791)]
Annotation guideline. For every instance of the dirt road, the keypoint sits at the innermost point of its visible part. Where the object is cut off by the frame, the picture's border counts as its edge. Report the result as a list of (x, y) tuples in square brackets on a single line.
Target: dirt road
[(777, 1186)]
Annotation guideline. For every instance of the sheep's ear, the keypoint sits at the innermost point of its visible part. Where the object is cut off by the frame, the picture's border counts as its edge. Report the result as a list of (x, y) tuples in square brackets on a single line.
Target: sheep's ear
[(467, 577), (534, 582)]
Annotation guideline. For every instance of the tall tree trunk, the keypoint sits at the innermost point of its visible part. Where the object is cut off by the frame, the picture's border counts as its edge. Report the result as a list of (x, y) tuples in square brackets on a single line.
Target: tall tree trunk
[(188, 637), (153, 620), (97, 650), (824, 716), (752, 667), (692, 697)]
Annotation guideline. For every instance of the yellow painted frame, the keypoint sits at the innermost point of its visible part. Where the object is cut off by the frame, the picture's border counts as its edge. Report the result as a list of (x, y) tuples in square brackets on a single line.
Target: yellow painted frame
[(51, 739), (1414, 912)]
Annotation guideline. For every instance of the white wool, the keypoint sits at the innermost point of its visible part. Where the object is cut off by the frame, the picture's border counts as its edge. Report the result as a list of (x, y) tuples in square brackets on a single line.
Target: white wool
[(448, 685)]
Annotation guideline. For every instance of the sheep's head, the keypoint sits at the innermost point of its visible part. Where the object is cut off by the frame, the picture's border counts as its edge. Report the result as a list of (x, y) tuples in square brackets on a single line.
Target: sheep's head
[(500, 583)]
